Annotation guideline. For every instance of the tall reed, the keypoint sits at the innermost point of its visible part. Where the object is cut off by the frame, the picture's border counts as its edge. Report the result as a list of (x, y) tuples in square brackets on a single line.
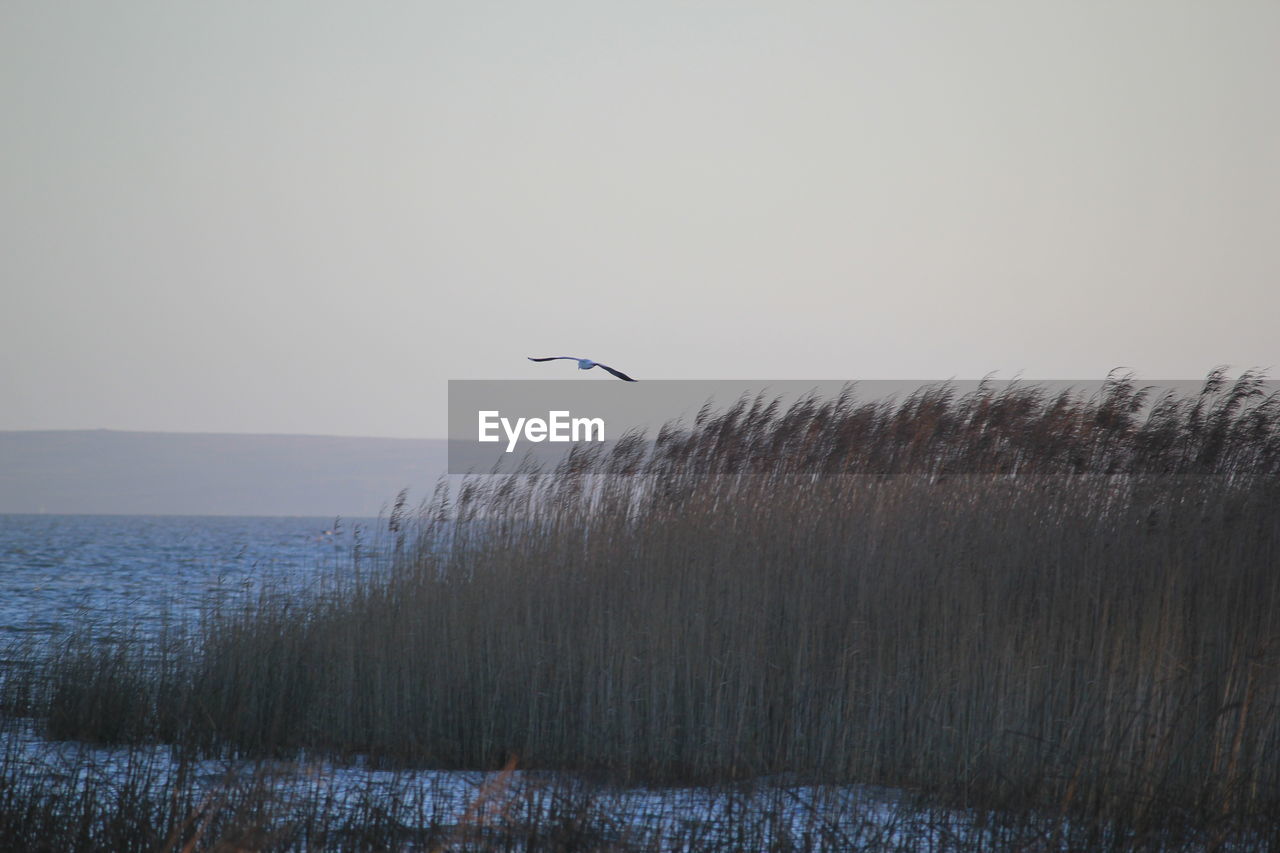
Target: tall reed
[(1010, 599)]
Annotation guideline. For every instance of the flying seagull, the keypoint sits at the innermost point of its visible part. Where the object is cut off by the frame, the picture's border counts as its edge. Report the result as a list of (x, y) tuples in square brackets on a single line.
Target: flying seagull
[(586, 364)]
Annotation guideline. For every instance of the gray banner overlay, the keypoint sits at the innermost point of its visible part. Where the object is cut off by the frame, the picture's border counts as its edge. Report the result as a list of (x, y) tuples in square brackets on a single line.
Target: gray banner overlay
[(498, 426)]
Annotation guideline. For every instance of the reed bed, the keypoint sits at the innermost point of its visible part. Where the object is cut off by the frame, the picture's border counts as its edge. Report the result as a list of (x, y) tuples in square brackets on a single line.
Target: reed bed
[(1015, 602), (143, 799)]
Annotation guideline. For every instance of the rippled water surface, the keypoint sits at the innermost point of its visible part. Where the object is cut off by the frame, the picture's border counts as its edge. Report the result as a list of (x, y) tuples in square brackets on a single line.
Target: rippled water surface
[(58, 568), (135, 571), (131, 571)]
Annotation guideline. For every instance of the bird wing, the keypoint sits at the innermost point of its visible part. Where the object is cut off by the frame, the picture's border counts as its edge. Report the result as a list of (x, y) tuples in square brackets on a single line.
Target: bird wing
[(552, 358), (617, 373)]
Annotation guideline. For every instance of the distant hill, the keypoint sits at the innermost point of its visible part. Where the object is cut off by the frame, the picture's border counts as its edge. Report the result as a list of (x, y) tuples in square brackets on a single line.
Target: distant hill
[(164, 473)]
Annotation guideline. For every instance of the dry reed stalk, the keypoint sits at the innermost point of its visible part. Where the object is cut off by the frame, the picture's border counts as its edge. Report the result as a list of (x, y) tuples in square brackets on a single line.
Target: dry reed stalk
[(851, 592)]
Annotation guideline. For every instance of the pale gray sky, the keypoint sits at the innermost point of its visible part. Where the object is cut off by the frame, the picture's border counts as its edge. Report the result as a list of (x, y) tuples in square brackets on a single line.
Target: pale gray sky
[(307, 216)]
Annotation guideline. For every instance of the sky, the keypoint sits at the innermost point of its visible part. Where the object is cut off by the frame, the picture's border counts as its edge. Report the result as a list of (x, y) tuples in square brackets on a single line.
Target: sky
[(306, 217)]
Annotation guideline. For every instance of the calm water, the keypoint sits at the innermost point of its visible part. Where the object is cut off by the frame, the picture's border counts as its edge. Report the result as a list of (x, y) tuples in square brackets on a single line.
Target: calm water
[(55, 569)]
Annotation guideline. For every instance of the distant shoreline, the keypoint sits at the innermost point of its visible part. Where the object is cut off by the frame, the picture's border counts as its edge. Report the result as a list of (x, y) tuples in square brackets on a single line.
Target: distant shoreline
[(121, 472)]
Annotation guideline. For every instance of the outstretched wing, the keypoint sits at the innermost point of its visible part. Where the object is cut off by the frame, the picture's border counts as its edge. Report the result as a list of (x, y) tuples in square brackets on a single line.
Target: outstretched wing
[(551, 358), (617, 373)]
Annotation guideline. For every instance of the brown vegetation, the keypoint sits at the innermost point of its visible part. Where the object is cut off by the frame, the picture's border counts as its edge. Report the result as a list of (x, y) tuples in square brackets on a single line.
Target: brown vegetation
[(1010, 600)]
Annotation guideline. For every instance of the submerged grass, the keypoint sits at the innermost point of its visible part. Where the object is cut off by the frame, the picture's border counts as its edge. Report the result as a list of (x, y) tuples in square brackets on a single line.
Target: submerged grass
[(140, 799), (1022, 603)]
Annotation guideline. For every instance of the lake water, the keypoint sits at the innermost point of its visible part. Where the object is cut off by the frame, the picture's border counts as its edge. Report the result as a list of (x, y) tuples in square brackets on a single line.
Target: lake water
[(59, 569)]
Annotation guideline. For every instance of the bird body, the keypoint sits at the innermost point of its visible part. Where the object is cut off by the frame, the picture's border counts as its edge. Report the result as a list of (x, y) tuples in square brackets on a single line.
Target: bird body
[(585, 364)]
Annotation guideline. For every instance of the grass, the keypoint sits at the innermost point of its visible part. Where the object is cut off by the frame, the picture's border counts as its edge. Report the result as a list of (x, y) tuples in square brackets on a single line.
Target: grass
[(1045, 607), (141, 799)]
